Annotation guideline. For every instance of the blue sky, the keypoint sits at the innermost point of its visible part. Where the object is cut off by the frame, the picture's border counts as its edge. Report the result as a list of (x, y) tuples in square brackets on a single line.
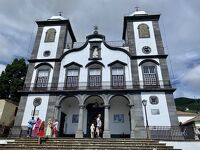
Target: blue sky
[(179, 26)]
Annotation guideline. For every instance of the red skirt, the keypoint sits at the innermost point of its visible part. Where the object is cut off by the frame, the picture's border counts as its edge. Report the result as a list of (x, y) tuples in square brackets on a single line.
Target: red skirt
[(41, 133)]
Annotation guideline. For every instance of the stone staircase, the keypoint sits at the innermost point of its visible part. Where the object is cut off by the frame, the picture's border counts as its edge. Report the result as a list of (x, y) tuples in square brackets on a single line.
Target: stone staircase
[(83, 144)]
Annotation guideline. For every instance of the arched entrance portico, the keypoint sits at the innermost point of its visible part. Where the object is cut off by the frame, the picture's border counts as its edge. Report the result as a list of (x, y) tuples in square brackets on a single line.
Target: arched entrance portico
[(69, 116), (119, 116), (94, 105)]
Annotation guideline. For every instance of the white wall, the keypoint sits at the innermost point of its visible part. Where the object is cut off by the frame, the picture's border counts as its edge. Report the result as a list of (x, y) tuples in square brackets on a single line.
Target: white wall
[(156, 120), (108, 56), (42, 108), (119, 105), (184, 118), (51, 46), (141, 42), (191, 145), (70, 107)]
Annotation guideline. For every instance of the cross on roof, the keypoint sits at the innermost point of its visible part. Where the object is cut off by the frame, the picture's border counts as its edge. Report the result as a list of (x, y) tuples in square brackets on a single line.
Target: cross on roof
[(60, 13), (137, 8), (95, 27)]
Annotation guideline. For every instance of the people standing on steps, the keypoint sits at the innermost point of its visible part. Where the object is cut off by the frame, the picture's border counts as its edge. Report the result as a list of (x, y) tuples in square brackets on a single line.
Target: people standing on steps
[(49, 130), (92, 129), (36, 128), (99, 124), (55, 127), (31, 122), (41, 132)]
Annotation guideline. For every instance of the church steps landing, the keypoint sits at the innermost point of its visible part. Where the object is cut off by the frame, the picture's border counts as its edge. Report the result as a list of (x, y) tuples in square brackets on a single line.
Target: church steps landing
[(84, 144)]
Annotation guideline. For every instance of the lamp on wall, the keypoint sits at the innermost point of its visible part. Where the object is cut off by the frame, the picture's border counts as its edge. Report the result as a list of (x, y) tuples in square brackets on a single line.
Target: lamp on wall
[(144, 103)]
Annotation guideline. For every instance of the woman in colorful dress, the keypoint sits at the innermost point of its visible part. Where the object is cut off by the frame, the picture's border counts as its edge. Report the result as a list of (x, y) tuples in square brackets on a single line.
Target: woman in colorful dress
[(36, 128), (49, 130), (41, 132), (55, 126)]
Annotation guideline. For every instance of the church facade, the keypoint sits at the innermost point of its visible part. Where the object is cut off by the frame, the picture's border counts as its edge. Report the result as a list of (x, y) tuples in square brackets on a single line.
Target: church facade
[(74, 82)]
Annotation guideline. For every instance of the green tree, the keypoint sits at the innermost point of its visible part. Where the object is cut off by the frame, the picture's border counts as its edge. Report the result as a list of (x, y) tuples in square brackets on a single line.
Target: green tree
[(12, 79)]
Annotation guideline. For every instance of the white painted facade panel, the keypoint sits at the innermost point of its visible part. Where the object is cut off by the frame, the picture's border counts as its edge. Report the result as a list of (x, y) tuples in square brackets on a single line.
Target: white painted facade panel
[(42, 108), (81, 57), (141, 42), (35, 74), (70, 108), (115, 126), (50, 46), (161, 119), (160, 79)]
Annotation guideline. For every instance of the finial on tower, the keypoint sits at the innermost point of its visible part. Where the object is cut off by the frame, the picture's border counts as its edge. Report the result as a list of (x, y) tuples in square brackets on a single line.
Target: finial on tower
[(60, 13), (137, 8), (95, 29)]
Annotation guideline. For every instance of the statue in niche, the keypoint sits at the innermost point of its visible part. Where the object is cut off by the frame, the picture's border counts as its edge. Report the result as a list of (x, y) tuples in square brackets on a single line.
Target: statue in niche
[(95, 53)]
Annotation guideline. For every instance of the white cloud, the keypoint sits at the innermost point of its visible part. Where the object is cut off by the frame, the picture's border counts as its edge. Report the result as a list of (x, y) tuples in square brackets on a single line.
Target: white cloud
[(179, 26), (2, 68)]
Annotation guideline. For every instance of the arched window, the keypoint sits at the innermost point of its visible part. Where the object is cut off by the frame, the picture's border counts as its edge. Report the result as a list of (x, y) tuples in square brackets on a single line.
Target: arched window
[(50, 35), (149, 71), (143, 30), (42, 77)]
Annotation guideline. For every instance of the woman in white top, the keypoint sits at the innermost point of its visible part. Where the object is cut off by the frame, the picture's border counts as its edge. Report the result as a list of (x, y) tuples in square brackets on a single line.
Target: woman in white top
[(92, 127)]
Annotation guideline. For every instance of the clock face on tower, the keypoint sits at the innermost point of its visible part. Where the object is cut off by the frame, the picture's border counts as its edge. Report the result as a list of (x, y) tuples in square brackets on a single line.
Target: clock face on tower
[(146, 50)]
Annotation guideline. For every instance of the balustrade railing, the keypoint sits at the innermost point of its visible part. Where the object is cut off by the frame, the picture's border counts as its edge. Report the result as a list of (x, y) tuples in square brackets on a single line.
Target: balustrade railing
[(128, 85)]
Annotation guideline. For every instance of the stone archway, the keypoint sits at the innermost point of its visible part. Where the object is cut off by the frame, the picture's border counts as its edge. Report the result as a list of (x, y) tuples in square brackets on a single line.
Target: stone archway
[(68, 116), (94, 105), (119, 116)]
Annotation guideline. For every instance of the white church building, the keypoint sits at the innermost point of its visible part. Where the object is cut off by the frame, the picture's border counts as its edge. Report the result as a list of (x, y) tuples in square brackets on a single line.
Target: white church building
[(74, 82)]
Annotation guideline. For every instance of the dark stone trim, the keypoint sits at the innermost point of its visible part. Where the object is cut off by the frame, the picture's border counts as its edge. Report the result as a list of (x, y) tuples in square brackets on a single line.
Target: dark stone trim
[(43, 60), (20, 111), (94, 58), (171, 109), (56, 73), (138, 18), (130, 41), (88, 91), (95, 62), (72, 63), (117, 49), (148, 60), (95, 36), (37, 43), (117, 61), (61, 41), (29, 73), (149, 56), (164, 70), (43, 64), (134, 71), (86, 43), (57, 23), (74, 50), (158, 38)]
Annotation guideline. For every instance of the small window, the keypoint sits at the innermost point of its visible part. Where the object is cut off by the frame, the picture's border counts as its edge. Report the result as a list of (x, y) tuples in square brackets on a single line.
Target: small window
[(146, 49), (153, 100), (46, 53), (143, 30), (155, 111), (50, 35)]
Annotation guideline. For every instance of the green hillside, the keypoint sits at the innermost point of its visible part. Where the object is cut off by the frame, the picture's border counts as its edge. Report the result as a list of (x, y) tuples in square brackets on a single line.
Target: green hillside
[(187, 104)]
